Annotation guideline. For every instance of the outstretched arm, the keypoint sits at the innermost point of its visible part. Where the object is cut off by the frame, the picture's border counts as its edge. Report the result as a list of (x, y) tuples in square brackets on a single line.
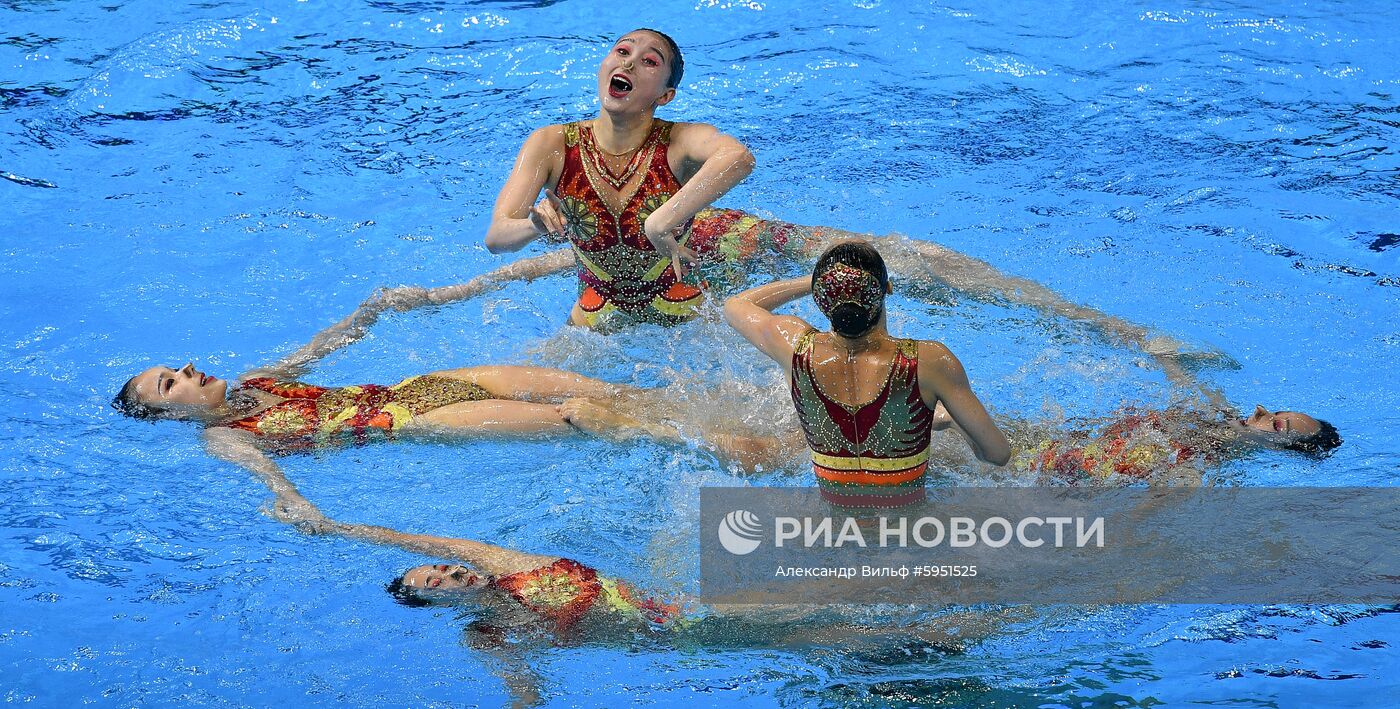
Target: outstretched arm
[(404, 298), (964, 273), (914, 257), (487, 558), (751, 314), (237, 447)]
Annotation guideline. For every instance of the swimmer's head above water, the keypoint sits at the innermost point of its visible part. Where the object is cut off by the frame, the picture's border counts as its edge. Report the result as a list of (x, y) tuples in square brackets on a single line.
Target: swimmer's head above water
[(849, 284), (1290, 430), (430, 584), (162, 392), (642, 70)]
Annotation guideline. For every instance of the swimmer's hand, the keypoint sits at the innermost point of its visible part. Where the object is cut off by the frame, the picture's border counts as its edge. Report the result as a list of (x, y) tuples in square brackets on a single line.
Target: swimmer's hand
[(547, 216), (301, 514), (667, 244)]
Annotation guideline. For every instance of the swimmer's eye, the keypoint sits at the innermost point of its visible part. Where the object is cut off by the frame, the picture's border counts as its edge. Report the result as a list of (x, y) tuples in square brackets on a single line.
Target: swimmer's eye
[(169, 384), (434, 583), (623, 51), (650, 62)]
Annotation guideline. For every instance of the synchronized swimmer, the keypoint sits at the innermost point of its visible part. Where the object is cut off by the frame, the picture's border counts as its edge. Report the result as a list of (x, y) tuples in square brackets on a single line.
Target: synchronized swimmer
[(632, 194)]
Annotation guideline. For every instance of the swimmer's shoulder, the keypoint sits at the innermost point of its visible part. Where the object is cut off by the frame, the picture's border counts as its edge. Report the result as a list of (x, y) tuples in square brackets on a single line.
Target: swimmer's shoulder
[(551, 137), (545, 147), (934, 355), (689, 133)]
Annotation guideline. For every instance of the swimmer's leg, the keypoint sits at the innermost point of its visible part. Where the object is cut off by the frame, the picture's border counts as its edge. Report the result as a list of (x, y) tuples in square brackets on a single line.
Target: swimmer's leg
[(535, 383), (756, 453), (605, 420), (493, 416)]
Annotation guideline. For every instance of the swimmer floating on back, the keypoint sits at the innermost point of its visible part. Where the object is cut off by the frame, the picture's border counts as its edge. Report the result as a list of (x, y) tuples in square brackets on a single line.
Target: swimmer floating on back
[(271, 412), (518, 596)]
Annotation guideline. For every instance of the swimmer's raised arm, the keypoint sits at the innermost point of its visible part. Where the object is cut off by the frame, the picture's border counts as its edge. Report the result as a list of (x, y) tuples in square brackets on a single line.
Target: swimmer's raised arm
[(514, 222), (712, 164), (404, 298), (750, 313)]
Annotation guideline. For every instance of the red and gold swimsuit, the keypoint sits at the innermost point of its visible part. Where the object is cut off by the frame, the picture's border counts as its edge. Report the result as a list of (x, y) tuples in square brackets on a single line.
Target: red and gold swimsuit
[(1136, 445), (310, 415), (618, 268), (872, 455), (563, 592)]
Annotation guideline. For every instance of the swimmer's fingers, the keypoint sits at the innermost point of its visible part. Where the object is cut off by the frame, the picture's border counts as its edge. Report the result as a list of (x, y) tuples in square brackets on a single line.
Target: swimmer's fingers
[(548, 215), (300, 514), (546, 220), (554, 201), (682, 260)]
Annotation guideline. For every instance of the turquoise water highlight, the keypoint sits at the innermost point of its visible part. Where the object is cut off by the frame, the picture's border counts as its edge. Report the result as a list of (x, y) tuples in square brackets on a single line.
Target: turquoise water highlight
[(231, 177)]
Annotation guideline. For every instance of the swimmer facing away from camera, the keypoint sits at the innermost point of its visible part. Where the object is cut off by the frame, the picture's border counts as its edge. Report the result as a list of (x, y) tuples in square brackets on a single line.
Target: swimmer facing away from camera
[(867, 403), (875, 454), (865, 400)]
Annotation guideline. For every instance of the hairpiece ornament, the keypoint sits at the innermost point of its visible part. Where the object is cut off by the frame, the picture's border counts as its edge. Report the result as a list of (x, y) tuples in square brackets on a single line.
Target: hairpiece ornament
[(847, 284)]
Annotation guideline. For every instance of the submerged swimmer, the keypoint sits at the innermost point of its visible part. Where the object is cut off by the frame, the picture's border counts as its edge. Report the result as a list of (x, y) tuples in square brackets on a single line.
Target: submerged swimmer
[(521, 600), (865, 400), (623, 188), (1177, 445)]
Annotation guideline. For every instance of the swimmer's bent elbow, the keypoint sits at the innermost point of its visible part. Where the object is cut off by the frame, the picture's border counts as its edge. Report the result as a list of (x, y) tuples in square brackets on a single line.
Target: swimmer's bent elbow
[(496, 244)]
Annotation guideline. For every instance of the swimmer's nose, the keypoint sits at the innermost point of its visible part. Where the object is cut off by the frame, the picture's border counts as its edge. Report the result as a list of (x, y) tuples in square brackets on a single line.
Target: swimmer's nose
[(1260, 411), (188, 369)]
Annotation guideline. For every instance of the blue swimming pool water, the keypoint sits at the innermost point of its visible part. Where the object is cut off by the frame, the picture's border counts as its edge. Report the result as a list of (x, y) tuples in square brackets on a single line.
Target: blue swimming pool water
[(219, 180)]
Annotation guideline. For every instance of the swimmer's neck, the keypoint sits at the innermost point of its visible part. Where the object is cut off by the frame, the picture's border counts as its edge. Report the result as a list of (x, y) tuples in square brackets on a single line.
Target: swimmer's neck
[(617, 132), (865, 343), (241, 403)]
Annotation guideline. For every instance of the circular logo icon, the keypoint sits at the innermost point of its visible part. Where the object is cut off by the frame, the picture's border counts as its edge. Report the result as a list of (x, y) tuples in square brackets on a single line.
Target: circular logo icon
[(739, 532)]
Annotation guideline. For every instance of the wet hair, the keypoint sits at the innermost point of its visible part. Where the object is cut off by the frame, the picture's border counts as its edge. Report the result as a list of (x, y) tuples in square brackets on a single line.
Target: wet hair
[(1319, 444), (677, 61), (126, 402), (850, 319), (406, 594)]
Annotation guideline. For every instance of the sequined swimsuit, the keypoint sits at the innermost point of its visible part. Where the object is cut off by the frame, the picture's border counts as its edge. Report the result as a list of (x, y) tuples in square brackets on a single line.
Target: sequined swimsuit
[(311, 415), (563, 592), (618, 268), (1135, 445), (872, 455)]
